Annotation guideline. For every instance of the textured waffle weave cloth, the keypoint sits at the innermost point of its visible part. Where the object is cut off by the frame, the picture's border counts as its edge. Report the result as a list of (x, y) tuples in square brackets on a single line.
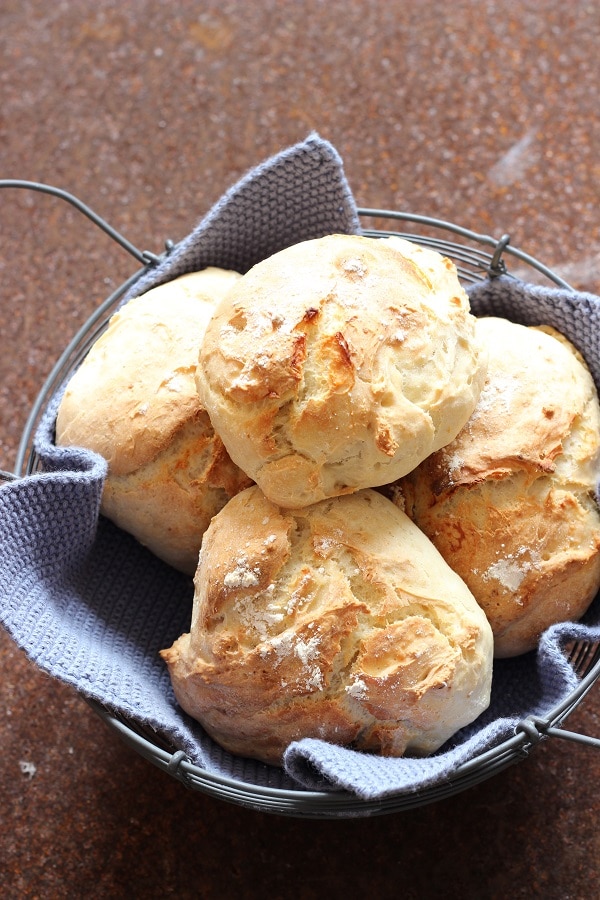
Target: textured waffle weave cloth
[(92, 607)]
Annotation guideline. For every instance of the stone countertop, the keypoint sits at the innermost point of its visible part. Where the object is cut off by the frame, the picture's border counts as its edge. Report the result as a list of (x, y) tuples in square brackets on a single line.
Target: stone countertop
[(483, 114)]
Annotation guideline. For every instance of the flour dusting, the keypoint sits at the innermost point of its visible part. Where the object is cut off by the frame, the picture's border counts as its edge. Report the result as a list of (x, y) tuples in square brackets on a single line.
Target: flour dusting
[(358, 689), (242, 576), (354, 266), (496, 397), (512, 569), (307, 651)]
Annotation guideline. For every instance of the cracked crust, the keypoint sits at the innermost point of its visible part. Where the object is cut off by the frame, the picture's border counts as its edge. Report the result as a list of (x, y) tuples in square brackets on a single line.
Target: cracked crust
[(510, 503), (340, 363), (339, 621), (134, 401)]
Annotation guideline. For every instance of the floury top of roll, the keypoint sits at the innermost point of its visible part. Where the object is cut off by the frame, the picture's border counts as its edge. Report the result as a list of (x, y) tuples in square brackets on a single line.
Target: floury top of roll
[(340, 363)]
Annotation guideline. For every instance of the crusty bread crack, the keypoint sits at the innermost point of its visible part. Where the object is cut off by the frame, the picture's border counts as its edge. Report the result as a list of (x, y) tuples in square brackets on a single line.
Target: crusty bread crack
[(134, 401), (246, 421), (340, 363), (510, 503), (339, 621)]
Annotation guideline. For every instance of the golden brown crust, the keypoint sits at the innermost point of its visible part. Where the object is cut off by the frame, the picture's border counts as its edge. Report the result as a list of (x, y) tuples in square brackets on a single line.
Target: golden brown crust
[(340, 363), (168, 503), (134, 401), (510, 502), (137, 383), (339, 621)]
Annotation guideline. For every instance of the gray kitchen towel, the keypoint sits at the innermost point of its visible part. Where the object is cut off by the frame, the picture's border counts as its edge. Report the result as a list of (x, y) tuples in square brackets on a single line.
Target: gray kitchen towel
[(92, 607), (299, 194)]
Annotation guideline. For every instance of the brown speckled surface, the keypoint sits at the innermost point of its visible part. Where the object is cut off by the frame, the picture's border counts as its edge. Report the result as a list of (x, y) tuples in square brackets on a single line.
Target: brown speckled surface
[(479, 112)]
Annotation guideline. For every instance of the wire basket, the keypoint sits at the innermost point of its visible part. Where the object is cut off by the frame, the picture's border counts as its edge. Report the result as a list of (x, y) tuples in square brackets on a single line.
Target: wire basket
[(477, 257)]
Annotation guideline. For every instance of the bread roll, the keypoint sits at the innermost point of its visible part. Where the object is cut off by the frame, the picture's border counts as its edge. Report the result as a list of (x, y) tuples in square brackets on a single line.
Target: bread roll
[(510, 502), (340, 363), (133, 400), (337, 621)]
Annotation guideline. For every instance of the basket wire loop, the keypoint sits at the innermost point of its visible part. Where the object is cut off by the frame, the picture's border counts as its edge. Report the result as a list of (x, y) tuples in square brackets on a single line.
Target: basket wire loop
[(497, 266), (474, 236), (174, 767), (529, 732)]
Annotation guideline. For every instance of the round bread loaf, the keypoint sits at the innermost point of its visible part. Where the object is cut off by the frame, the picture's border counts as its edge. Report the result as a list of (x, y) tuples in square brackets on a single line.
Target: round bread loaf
[(338, 621), (340, 363), (134, 401), (510, 503)]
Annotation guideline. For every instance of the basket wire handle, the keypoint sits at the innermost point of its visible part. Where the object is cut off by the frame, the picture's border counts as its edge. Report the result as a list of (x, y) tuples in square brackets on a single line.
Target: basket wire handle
[(146, 257), (535, 729), (142, 256)]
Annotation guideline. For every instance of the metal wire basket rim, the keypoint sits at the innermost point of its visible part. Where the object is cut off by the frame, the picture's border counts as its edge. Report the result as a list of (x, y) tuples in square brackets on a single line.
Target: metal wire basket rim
[(147, 258), (306, 802), (503, 243), (527, 733)]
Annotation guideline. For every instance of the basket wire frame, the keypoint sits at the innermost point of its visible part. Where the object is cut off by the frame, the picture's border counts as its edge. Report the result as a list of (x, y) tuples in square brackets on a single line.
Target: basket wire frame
[(477, 257)]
